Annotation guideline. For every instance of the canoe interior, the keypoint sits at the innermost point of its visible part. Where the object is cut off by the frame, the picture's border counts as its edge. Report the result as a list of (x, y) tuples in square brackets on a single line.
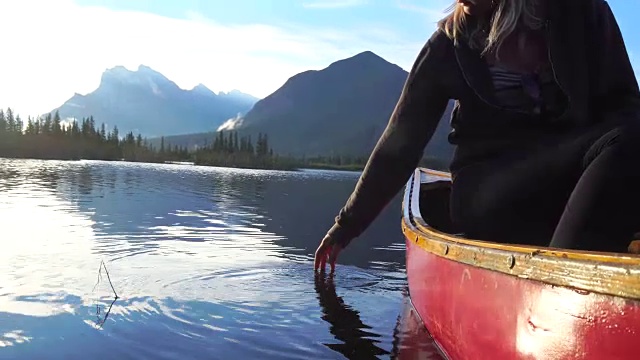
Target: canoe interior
[(434, 206)]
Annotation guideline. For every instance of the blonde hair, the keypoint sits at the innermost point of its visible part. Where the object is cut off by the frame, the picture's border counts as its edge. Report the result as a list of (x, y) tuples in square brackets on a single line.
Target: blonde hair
[(507, 16)]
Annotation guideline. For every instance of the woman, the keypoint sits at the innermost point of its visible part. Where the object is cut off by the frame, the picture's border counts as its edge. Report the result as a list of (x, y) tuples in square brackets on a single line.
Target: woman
[(546, 128)]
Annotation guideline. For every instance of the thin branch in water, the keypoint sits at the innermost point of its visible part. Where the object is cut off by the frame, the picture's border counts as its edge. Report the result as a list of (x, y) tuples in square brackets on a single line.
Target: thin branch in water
[(103, 265), (99, 277), (106, 315), (100, 322), (109, 278)]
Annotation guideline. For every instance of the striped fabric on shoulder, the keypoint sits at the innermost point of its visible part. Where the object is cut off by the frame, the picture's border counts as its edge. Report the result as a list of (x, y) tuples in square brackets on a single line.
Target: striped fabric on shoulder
[(523, 91)]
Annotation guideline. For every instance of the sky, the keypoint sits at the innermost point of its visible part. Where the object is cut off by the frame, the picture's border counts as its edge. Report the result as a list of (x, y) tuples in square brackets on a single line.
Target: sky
[(60, 47)]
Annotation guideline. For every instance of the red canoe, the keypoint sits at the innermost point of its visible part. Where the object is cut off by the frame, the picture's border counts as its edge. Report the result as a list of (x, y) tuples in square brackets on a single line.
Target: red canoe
[(483, 300)]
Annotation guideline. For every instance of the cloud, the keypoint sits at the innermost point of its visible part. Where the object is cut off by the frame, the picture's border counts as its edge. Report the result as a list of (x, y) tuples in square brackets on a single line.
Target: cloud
[(63, 48), (333, 4)]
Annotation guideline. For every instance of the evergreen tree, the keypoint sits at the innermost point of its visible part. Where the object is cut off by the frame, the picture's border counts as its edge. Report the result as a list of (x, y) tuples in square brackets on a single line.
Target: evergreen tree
[(56, 126), (48, 137)]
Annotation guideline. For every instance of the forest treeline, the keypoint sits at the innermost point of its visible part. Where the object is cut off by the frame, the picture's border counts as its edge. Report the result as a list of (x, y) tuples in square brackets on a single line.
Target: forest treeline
[(49, 137)]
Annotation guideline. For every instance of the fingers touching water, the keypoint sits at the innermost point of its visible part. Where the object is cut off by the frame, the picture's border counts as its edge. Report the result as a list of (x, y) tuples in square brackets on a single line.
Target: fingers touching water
[(327, 252)]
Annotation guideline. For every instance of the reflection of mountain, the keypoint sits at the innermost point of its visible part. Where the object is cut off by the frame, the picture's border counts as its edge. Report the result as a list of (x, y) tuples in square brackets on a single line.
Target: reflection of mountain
[(302, 209), (200, 204), (124, 197), (59, 334), (282, 214), (198, 251)]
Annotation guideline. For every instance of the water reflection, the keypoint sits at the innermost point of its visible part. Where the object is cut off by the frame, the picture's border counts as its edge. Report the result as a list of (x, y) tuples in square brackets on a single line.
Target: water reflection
[(346, 325), (411, 341), (205, 261), (102, 316)]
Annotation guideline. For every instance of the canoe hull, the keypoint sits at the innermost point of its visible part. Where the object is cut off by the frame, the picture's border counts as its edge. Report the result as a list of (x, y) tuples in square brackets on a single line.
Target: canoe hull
[(475, 313), (411, 340), (482, 300)]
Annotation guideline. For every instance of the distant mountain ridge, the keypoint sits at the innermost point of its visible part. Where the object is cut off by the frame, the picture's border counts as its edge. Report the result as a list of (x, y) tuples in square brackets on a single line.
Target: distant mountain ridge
[(339, 110), (145, 101)]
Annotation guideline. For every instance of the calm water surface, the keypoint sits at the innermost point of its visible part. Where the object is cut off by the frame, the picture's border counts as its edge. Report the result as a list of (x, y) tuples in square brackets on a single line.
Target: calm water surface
[(207, 263)]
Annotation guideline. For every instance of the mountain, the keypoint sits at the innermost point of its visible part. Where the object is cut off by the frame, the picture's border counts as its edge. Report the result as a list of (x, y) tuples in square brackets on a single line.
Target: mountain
[(145, 101), (341, 109)]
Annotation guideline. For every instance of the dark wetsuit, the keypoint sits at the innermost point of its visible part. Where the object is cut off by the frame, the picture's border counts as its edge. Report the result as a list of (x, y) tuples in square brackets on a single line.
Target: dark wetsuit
[(551, 161)]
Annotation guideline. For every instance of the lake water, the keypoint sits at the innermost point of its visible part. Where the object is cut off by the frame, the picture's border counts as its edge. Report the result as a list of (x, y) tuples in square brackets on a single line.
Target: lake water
[(207, 263)]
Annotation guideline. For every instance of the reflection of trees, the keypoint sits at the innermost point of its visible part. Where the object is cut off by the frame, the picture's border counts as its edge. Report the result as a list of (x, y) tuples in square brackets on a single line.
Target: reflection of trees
[(8, 177), (68, 178), (84, 180), (235, 196), (299, 207), (47, 176), (137, 198), (14, 173), (346, 325), (296, 207)]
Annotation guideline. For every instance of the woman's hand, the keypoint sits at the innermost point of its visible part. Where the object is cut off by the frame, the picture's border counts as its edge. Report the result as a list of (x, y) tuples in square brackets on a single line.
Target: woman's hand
[(327, 251)]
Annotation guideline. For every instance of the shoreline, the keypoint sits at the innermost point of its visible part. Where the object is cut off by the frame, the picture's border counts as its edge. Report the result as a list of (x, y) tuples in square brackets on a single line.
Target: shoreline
[(192, 163), (311, 166)]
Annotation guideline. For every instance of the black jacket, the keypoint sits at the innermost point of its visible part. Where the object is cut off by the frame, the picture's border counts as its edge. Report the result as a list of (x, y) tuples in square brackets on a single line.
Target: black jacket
[(591, 66)]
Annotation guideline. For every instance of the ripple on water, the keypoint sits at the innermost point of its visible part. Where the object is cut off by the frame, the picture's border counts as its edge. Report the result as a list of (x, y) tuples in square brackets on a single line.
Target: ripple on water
[(208, 263)]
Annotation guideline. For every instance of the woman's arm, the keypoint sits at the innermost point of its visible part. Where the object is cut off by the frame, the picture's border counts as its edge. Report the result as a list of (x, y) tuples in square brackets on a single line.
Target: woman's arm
[(421, 105), (618, 93)]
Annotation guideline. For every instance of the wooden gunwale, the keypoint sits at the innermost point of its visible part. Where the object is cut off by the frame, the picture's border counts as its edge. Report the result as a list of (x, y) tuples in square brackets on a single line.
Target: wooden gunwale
[(606, 273)]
